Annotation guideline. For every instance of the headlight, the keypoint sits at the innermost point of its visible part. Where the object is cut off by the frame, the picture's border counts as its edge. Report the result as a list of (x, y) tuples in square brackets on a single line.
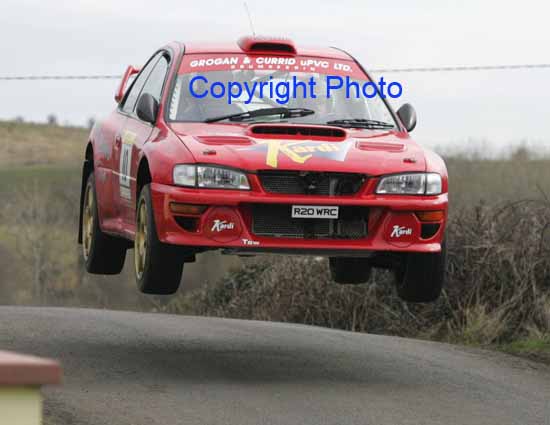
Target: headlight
[(410, 184), (185, 175), (210, 177)]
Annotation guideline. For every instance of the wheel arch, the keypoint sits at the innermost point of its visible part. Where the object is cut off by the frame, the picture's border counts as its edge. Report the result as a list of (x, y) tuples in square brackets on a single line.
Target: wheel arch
[(143, 176), (87, 169)]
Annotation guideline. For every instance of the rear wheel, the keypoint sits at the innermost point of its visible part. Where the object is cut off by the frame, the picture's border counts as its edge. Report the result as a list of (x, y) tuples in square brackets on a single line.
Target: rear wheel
[(103, 254), (349, 271), (158, 266), (421, 277)]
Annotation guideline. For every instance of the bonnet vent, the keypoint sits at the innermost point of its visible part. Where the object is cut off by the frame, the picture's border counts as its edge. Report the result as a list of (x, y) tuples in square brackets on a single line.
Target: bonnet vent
[(380, 146), (305, 131), (224, 140)]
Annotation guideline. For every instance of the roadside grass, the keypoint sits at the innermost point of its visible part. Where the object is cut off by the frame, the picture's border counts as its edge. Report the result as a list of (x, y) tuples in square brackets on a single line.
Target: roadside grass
[(27, 144), (13, 179), (496, 181), (6, 234), (533, 347)]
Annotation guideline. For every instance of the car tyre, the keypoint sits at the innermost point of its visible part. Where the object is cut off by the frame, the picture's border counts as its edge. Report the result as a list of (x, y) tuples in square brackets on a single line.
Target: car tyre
[(103, 253), (158, 266), (349, 271), (421, 277)]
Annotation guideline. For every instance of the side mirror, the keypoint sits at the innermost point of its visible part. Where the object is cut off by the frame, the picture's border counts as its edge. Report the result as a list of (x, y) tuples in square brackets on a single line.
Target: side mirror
[(122, 86), (147, 108), (407, 115)]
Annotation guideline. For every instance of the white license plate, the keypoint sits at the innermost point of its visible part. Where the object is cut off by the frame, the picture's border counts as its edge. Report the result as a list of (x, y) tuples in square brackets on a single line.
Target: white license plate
[(314, 211)]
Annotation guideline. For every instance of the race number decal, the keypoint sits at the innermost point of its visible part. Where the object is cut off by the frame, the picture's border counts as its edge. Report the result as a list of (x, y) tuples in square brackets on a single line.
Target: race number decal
[(128, 139)]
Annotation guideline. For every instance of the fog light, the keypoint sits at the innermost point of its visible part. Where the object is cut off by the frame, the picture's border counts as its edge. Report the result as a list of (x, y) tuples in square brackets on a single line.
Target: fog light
[(187, 209), (190, 224), (429, 230), (430, 215)]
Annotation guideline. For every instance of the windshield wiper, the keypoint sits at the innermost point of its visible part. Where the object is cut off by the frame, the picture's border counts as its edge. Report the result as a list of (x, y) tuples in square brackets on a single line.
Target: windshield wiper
[(361, 123), (284, 112)]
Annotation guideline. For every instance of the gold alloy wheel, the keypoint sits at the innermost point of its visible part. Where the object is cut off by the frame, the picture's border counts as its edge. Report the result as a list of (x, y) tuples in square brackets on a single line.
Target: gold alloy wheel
[(140, 244), (87, 222)]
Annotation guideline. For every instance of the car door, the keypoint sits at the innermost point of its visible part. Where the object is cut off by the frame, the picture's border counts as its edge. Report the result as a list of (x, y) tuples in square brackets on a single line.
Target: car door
[(136, 133), (123, 146)]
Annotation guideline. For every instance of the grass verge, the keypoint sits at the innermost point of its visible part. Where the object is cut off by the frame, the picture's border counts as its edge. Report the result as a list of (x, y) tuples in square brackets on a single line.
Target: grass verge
[(533, 347)]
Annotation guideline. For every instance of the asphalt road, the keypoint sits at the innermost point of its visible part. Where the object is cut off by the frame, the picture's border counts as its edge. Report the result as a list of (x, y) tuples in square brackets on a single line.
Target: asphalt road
[(133, 368)]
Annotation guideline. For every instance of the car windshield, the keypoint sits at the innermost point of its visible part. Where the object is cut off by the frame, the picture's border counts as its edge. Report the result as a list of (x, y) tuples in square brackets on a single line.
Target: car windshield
[(184, 107)]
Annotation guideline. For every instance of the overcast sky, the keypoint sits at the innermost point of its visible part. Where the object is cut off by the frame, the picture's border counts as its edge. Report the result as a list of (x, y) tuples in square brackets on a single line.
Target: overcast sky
[(103, 36)]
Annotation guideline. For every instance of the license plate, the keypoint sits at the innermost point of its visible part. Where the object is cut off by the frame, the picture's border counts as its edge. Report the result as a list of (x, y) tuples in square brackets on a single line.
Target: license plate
[(314, 211)]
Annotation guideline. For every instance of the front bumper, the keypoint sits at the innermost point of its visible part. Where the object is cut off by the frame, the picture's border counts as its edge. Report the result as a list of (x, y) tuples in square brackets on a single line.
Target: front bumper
[(392, 223)]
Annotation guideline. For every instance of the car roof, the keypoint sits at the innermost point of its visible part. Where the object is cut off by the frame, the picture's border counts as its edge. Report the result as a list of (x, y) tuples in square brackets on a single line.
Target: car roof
[(234, 47)]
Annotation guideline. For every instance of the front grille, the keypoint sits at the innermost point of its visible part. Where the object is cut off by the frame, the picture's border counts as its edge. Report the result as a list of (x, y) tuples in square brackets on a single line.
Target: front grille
[(311, 183), (276, 221)]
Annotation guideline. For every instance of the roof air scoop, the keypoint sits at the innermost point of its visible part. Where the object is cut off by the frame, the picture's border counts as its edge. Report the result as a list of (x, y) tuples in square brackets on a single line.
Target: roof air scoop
[(267, 45)]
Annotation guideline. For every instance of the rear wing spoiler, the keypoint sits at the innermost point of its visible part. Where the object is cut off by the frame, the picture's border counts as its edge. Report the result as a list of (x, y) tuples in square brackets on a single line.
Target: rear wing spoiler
[(122, 86)]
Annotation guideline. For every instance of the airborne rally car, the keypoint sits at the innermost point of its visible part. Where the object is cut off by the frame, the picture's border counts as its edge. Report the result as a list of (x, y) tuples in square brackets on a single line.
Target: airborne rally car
[(187, 164)]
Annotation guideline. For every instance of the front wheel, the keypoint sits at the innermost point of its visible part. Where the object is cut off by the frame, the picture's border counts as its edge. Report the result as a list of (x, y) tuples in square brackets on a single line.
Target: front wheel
[(420, 278), (158, 266)]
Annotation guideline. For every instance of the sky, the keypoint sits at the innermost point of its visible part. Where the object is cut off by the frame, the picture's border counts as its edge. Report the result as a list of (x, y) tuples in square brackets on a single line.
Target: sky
[(491, 109)]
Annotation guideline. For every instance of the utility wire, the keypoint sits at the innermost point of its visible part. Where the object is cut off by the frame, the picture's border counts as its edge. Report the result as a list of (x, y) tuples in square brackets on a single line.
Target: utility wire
[(59, 77), (377, 70), (465, 68)]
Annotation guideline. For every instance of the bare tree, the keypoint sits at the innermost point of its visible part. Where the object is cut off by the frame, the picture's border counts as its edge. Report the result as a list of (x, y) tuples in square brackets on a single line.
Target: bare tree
[(52, 119), (520, 153)]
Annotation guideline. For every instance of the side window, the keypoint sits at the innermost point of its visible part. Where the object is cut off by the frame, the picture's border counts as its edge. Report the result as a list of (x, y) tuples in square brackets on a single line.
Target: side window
[(132, 96), (155, 82)]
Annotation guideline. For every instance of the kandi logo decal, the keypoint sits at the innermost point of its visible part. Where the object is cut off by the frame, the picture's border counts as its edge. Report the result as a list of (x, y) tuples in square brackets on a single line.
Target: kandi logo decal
[(301, 151), (221, 225), (399, 231)]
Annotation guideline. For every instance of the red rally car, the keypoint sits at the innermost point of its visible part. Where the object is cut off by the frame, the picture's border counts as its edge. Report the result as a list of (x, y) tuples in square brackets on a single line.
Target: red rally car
[(173, 175)]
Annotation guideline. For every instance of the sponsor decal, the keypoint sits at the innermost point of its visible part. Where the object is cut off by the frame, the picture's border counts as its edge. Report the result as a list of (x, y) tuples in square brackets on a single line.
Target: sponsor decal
[(402, 229), (249, 242), (221, 225), (399, 231), (238, 62), (128, 140), (300, 151)]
